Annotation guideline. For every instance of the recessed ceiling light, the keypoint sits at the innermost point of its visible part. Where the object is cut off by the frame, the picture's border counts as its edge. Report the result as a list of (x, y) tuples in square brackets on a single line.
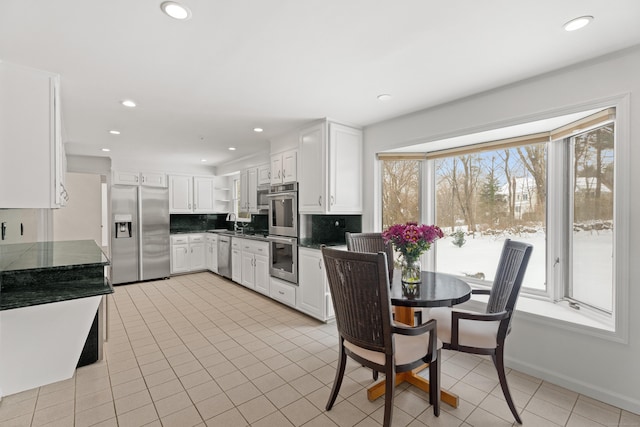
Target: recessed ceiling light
[(384, 97), (203, 160), (232, 148), (576, 24), (258, 130), (106, 149), (175, 10), (128, 103), (114, 132)]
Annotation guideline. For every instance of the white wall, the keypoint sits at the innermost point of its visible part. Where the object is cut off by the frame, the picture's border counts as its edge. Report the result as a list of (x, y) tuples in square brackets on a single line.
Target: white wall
[(81, 219), (594, 366), (13, 218)]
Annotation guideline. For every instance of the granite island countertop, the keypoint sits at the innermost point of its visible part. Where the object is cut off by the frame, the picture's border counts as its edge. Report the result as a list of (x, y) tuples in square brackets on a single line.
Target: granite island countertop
[(46, 272)]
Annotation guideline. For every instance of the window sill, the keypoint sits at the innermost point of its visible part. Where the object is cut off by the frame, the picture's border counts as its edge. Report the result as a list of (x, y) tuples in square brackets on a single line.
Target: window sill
[(546, 311)]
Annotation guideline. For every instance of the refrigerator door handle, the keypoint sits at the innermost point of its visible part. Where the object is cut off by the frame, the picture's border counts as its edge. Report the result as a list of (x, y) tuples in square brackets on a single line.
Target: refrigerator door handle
[(140, 235)]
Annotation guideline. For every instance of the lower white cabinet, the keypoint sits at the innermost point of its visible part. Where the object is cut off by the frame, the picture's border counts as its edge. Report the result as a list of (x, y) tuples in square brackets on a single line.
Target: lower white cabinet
[(187, 253), (313, 296), (255, 265), (236, 260), (282, 291), (211, 251)]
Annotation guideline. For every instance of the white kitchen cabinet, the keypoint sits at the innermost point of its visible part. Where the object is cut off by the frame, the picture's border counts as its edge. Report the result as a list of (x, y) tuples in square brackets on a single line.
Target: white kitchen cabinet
[(236, 260), (264, 174), (198, 194), (313, 296), (31, 150), (211, 251), (255, 262), (180, 194), (153, 179), (203, 194), (187, 253), (196, 247), (249, 190), (284, 167), (330, 174), (180, 254), (282, 291), (126, 178), (149, 179)]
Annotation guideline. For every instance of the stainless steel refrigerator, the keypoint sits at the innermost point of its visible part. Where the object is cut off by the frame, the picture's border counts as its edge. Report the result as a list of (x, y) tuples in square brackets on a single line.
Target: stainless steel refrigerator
[(140, 233)]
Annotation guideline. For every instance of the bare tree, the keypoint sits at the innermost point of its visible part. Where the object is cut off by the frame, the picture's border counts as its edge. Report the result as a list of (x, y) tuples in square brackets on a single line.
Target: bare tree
[(400, 191), (533, 157)]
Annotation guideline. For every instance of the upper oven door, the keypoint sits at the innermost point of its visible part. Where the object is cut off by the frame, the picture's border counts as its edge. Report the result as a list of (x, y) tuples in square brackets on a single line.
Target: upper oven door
[(283, 214)]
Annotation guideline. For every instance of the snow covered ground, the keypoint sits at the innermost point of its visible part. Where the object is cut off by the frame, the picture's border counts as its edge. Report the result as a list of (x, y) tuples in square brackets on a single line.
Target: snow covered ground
[(592, 255)]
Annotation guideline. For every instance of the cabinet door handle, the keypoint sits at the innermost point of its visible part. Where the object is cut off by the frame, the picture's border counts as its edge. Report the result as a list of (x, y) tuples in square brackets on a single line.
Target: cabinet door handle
[(143, 179), (319, 200), (332, 200), (269, 174), (136, 179), (281, 293), (284, 173), (320, 264), (278, 174)]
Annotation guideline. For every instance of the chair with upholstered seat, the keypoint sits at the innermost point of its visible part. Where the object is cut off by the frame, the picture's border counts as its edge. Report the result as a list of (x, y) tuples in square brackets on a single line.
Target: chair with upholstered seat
[(485, 333), (359, 285)]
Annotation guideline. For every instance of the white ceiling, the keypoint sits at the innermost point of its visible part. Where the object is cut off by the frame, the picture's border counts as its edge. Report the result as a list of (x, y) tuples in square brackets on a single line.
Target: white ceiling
[(202, 85)]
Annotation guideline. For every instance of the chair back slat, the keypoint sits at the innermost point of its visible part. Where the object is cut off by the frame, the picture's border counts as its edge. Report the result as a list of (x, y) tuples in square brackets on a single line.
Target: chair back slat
[(509, 276), (360, 294), (372, 243)]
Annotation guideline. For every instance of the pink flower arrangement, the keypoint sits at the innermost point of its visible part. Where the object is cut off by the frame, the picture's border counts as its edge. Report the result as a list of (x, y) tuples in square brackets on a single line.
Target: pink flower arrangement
[(411, 239)]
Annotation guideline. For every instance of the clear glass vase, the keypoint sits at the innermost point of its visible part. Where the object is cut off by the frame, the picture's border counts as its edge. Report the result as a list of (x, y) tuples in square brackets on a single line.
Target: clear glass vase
[(411, 269)]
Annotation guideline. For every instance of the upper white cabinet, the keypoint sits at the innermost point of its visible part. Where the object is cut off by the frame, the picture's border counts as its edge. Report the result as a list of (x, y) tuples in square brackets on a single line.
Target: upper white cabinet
[(203, 194), (149, 179), (264, 174), (180, 194), (198, 194), (284, 167), (330, 174), (32, 162), (249, 190)]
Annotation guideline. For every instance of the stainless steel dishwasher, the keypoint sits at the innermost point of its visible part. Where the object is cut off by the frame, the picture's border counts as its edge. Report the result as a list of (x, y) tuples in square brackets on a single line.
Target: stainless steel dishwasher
[(224, 256)]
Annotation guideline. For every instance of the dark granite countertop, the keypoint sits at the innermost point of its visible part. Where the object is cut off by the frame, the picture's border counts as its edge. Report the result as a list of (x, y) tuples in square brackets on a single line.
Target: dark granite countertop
[(46, 272), (314, 244), (51, 255)]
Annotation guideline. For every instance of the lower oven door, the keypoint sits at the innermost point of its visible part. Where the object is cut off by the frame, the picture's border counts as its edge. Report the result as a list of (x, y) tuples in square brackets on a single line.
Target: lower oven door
[(284, 258)]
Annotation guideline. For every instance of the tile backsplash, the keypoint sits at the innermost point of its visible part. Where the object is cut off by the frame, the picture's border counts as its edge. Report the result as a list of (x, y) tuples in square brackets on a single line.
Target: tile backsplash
[(187, 223), (329, 228)]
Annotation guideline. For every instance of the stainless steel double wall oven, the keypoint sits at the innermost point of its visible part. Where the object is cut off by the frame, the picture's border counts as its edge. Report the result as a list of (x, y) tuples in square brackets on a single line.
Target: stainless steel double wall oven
[(283, 231)]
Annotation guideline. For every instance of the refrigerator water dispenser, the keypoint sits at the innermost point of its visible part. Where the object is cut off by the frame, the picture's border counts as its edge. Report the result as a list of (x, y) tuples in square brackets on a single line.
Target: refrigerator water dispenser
[(123, 226)]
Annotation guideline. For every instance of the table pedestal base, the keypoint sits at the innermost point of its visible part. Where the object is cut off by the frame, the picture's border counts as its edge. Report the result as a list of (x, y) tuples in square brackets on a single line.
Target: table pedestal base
[(412, 377), (406, 315)]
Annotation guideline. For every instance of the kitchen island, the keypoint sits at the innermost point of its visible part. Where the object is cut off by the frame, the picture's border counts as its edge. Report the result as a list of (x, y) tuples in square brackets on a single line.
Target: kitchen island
[(50, 293)]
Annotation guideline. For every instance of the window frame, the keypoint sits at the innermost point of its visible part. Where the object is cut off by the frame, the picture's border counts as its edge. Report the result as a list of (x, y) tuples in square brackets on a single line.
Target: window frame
[(560, 315)]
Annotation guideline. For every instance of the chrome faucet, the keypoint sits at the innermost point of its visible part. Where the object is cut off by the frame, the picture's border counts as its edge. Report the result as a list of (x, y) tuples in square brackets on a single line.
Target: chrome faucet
[(236, 227)]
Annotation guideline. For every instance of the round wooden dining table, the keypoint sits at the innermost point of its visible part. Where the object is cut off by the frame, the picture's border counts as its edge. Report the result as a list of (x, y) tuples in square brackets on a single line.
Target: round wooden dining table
[(435, 290)]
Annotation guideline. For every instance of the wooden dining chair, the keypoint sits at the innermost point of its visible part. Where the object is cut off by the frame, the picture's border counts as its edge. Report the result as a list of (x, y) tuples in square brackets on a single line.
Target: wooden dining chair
[(359, 285), (372, 243), (485, 333)]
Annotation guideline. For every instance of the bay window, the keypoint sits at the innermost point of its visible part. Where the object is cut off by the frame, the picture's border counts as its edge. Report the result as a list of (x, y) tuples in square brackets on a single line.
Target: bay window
[(555, 189)]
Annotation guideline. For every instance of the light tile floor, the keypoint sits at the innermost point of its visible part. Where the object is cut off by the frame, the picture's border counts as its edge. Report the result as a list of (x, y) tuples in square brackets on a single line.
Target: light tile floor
[(198, 350)]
